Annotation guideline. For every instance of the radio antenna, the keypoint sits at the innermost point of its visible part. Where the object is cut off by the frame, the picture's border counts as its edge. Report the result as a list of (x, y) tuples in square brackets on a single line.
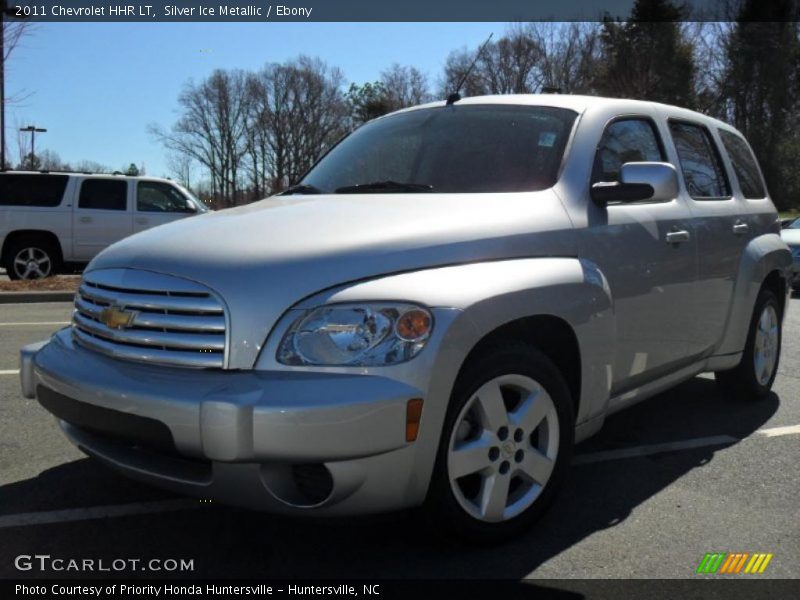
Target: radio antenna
[(455, 96)]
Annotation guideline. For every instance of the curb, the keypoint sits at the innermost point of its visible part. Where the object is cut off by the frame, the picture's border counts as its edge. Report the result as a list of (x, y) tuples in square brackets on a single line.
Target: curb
[(20, 297)]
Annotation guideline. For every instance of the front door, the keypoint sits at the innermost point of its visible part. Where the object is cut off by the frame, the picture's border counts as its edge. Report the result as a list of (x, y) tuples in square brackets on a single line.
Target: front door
[(159, 202), (648, 253)]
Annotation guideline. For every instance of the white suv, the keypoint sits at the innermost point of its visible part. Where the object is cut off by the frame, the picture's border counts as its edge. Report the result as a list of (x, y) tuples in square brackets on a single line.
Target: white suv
[(52, 220)]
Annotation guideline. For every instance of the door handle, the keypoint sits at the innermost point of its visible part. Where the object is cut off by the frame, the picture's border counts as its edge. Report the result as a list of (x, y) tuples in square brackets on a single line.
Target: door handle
[(676, 237), (85, 219), (142, 221), (741, 228)]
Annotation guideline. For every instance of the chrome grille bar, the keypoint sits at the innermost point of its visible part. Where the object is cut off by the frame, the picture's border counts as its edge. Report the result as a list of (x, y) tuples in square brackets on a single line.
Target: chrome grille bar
[(144, 301), (172, 321)]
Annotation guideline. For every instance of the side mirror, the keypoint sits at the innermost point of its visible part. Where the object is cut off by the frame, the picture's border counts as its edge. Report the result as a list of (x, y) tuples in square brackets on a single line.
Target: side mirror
[(639, 181)]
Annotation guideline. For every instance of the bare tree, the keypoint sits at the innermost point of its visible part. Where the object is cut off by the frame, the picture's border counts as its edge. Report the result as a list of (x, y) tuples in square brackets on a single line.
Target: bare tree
[(568, 55), (211, 129), (404, 86), (50, 161), (181, 167), (296, 110), (90, 166)]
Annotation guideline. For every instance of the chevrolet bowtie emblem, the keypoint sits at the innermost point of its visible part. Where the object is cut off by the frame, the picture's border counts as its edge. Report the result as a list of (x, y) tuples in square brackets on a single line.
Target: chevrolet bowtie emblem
[(116, 317)]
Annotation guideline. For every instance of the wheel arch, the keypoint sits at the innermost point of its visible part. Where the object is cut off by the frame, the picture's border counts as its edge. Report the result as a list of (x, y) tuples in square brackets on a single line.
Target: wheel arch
[(766, 263), (551, 335), (39, 234)]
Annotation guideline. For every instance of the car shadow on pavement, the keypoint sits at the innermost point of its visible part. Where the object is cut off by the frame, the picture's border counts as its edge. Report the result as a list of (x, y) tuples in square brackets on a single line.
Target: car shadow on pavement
[(227, 542)]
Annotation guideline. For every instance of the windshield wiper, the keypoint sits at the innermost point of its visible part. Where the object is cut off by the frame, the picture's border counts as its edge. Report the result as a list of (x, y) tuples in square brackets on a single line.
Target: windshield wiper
[(301, 188), (384, 186)]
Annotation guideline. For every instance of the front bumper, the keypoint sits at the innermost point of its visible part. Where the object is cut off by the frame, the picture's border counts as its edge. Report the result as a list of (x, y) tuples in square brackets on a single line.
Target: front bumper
[(250, 438)]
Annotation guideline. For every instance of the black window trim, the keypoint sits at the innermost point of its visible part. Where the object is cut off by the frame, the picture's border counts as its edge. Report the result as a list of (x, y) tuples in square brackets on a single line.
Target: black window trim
[(63, 201), (632, 117), (714, 149), (167, 183), (101, 178), (753, 155)]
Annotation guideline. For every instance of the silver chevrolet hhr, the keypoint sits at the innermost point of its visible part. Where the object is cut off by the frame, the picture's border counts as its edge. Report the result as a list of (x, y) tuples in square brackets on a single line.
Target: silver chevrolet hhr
[(452, 297)]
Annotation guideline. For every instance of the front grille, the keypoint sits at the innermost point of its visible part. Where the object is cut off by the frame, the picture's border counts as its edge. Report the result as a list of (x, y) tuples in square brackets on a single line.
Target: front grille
[(173, 322)]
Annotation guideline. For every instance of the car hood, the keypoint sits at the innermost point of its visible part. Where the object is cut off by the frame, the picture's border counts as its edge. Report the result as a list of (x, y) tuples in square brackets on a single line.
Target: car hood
[(791, 236), (265, 257)]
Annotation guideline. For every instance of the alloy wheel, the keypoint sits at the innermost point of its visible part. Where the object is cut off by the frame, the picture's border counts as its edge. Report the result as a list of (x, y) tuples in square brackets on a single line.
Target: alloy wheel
[(765, 353), (32, 263), (503, 448)]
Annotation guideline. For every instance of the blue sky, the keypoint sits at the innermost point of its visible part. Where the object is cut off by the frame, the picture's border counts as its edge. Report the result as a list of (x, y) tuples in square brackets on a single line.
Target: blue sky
[(96, 87)]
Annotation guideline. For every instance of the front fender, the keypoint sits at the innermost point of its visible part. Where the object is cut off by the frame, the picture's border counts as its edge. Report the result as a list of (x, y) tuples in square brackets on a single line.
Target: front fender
[(489, 295), (470, 301), (762, 255)]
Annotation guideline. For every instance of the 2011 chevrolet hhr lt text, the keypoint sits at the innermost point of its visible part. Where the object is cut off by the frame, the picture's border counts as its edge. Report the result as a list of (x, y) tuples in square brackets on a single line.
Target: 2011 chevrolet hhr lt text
[(451, 297)]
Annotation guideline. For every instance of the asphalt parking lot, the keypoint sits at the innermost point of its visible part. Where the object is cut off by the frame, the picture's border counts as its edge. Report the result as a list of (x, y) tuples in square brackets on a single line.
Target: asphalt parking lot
[(685, 473)]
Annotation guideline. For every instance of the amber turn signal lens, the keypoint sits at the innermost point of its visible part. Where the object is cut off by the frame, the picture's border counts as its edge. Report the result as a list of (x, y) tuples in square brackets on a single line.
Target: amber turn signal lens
[(414, 325), (413, 416)]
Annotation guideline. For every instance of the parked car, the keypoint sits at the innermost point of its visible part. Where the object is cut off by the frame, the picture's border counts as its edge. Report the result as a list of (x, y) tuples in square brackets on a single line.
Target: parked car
[(54, 221), (448, 301), (791, 235)]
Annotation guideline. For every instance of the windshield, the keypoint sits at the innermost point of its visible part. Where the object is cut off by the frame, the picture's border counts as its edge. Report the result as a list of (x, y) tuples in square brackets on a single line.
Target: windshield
[(199, 204), (448, 149), (794, 224)]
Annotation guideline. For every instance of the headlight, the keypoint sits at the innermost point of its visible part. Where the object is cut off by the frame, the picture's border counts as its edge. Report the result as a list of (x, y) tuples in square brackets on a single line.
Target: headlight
[(357, 334)]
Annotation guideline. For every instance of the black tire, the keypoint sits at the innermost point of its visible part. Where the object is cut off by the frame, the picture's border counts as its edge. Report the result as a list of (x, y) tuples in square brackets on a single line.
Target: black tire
[(742, 382), (444, 511), (41, 247)]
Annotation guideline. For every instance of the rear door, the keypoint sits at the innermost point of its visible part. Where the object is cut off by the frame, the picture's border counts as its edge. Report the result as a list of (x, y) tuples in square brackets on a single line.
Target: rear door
[(159, 202), (102, 215), (721, 232)]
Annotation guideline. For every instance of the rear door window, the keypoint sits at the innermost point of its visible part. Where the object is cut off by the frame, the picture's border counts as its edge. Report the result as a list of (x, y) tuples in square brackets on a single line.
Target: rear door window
[(700, 161), (104, 194), (32, 190), (744, 165)]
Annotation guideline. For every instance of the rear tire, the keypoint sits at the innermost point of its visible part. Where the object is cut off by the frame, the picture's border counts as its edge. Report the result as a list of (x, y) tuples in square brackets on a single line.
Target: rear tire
[(752, 379), (505, 447), (32, 258)]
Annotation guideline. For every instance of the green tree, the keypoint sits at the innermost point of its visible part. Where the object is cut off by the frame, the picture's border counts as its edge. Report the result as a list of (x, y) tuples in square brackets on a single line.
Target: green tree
[(132, 170), (647, 57), (31, 162), (367, 101), (762, 90)]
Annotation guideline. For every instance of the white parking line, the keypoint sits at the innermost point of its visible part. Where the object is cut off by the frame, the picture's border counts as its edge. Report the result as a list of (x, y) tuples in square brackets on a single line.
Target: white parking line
[(34, 323), (96, 512), (10, 372), (778, 431)]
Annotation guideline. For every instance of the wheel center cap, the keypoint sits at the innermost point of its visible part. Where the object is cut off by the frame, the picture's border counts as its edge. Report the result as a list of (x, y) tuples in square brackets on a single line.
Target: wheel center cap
[(508, 449)]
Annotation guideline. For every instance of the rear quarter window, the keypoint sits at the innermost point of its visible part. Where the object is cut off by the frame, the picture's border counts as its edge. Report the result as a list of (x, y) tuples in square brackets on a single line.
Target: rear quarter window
[(32, 190)]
